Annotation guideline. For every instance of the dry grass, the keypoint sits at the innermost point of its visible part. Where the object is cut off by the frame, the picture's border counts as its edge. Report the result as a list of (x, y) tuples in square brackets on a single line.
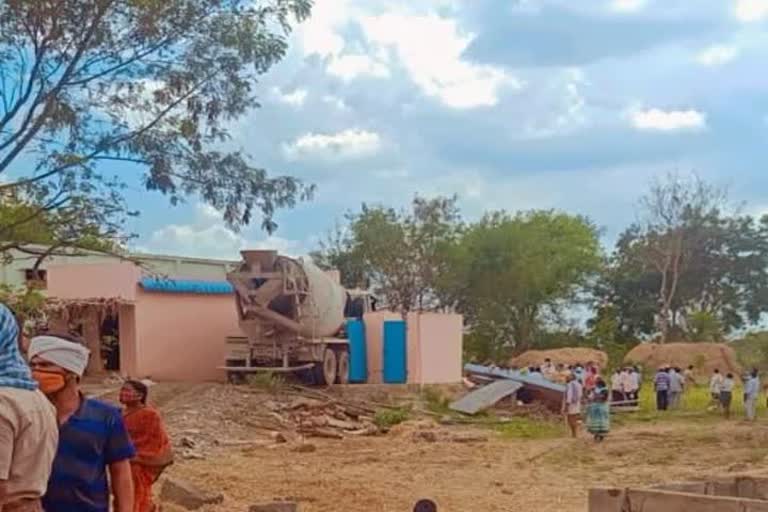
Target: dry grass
[(527, 463)]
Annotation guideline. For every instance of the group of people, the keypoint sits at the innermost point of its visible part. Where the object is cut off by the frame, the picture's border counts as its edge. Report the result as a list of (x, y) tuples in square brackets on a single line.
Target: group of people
[(585, 388), (61, 451), (721, 390), (670, 383)]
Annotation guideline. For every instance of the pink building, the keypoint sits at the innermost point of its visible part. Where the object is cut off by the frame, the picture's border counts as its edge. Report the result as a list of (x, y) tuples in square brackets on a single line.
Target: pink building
[(171, 330), (175, 329)]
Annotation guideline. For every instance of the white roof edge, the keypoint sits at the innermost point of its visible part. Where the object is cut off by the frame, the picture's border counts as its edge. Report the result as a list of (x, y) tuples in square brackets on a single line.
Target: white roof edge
[(145, 255)]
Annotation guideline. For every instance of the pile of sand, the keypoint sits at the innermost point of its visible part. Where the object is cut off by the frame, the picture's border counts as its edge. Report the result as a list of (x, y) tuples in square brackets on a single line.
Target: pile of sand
[(566, 356), (705, 357)]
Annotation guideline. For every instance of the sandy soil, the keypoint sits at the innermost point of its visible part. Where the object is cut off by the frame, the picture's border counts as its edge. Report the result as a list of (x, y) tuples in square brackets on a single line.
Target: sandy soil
[(389, 473)]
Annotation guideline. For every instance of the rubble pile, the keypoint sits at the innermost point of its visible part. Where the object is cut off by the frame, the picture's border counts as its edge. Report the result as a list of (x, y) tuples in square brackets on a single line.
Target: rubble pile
[(314, 417), (250, 418)]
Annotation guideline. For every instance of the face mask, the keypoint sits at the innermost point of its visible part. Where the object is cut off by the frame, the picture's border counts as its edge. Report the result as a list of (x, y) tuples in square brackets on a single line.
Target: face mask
[(50, 382), (128, 396)]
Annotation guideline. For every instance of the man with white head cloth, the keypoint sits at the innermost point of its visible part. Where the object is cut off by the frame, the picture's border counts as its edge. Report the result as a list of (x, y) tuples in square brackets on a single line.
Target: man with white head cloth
[(28, 430), (92, 437)]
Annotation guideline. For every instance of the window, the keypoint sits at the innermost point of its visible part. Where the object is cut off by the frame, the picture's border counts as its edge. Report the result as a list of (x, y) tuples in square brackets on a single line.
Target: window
[(37, 278)]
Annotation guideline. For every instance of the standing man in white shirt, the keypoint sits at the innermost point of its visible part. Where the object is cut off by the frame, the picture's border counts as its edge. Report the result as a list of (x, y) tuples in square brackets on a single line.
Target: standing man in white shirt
[(572, 404), (751, 390), (715, 386)]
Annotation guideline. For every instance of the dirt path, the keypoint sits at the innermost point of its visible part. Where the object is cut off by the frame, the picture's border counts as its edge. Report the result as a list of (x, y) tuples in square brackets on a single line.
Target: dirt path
[(389, 473)]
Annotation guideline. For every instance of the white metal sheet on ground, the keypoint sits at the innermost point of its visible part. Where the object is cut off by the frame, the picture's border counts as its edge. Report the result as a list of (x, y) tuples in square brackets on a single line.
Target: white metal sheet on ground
[(486, 396)]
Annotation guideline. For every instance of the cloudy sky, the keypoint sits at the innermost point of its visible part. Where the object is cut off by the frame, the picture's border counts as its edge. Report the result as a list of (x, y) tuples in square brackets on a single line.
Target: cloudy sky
[(574, 105)]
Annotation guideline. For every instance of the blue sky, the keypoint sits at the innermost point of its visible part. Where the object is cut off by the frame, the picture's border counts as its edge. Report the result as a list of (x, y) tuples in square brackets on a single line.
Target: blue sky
[(509, 104)]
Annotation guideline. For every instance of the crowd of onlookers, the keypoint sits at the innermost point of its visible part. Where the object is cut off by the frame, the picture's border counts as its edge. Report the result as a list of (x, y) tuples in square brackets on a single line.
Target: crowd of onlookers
[(588, 392)]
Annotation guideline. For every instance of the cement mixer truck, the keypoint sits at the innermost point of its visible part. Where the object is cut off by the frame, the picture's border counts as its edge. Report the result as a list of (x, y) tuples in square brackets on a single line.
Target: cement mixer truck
[(293, 315)]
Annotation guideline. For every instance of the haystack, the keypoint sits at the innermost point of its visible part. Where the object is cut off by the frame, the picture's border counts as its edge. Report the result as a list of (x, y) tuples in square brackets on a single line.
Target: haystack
[(566, 356), (704, 357)]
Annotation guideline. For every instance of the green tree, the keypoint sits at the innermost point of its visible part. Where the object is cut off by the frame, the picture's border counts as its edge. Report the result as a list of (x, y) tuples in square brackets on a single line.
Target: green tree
[(152, 84), (336, 253), (508, 272), (400, 253), (716, 268), (77, 226)]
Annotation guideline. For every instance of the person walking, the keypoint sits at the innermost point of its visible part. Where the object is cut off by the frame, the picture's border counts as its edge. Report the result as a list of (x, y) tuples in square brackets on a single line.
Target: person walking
[(751, 391), (28, 430), (153, 447), (572, 404), (726, 395), (92, 436)]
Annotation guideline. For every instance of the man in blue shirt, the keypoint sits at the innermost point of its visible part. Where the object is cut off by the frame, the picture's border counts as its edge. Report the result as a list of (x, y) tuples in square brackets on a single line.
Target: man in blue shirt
[(751, 390), (661, 384), (92, 436)]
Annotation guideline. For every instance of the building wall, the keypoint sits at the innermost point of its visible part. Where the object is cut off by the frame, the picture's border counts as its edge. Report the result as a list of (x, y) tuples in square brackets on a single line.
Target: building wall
[(434, 347), (181, 337), (127, 326), (437, 353), (112, 280), (374, 341), (172, 266)]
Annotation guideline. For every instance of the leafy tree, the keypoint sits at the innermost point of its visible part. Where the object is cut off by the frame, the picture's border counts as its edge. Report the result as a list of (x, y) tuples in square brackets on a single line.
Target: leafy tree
[(151, 84), (671, 235), (400, 253), (25, 302), (336, 253), (719, 267), (506, 273), (73, 227)]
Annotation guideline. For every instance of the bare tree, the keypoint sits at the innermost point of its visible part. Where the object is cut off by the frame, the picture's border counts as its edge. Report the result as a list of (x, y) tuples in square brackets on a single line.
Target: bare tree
[(671, 209)]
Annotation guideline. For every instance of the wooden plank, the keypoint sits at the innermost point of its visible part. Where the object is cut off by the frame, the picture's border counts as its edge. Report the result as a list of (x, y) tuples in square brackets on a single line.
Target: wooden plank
[(646, 500), (486, 396)]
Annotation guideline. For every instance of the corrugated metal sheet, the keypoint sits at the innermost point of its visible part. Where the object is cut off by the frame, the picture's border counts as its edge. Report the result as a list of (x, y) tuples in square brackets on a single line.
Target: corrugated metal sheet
[(486, 396), (500, 373), (186, 286)]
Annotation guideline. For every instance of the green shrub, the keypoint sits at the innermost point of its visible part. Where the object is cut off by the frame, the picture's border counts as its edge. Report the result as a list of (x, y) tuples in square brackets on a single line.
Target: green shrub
[(386, 418)]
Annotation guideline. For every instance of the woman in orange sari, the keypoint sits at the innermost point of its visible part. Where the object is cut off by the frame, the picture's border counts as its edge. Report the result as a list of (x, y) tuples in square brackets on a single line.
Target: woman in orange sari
[(153, 447)]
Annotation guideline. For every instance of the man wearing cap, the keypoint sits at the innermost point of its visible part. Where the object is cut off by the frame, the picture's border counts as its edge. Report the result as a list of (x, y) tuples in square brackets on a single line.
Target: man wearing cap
[(28, 430), (92, 437)]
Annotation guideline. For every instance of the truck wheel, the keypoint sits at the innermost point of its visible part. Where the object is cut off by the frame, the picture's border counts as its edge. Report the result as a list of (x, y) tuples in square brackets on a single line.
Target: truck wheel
[(342, 372), (325, 372)]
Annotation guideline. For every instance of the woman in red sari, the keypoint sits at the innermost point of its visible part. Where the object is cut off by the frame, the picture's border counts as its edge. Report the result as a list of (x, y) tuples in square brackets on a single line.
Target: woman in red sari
[(153, 447)]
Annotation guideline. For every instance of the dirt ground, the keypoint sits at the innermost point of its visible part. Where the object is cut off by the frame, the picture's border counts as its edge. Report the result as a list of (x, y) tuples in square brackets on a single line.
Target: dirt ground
[(389, 473)]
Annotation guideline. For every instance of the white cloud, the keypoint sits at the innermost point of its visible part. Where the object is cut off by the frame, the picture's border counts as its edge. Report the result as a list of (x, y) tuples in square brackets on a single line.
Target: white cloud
[(717, 55), (655, 119), (627, 5), (348, 144), (569, 110), (348, 67), (337, 102), (748, 11), (438, 68), (295, 98), (207, 237)]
